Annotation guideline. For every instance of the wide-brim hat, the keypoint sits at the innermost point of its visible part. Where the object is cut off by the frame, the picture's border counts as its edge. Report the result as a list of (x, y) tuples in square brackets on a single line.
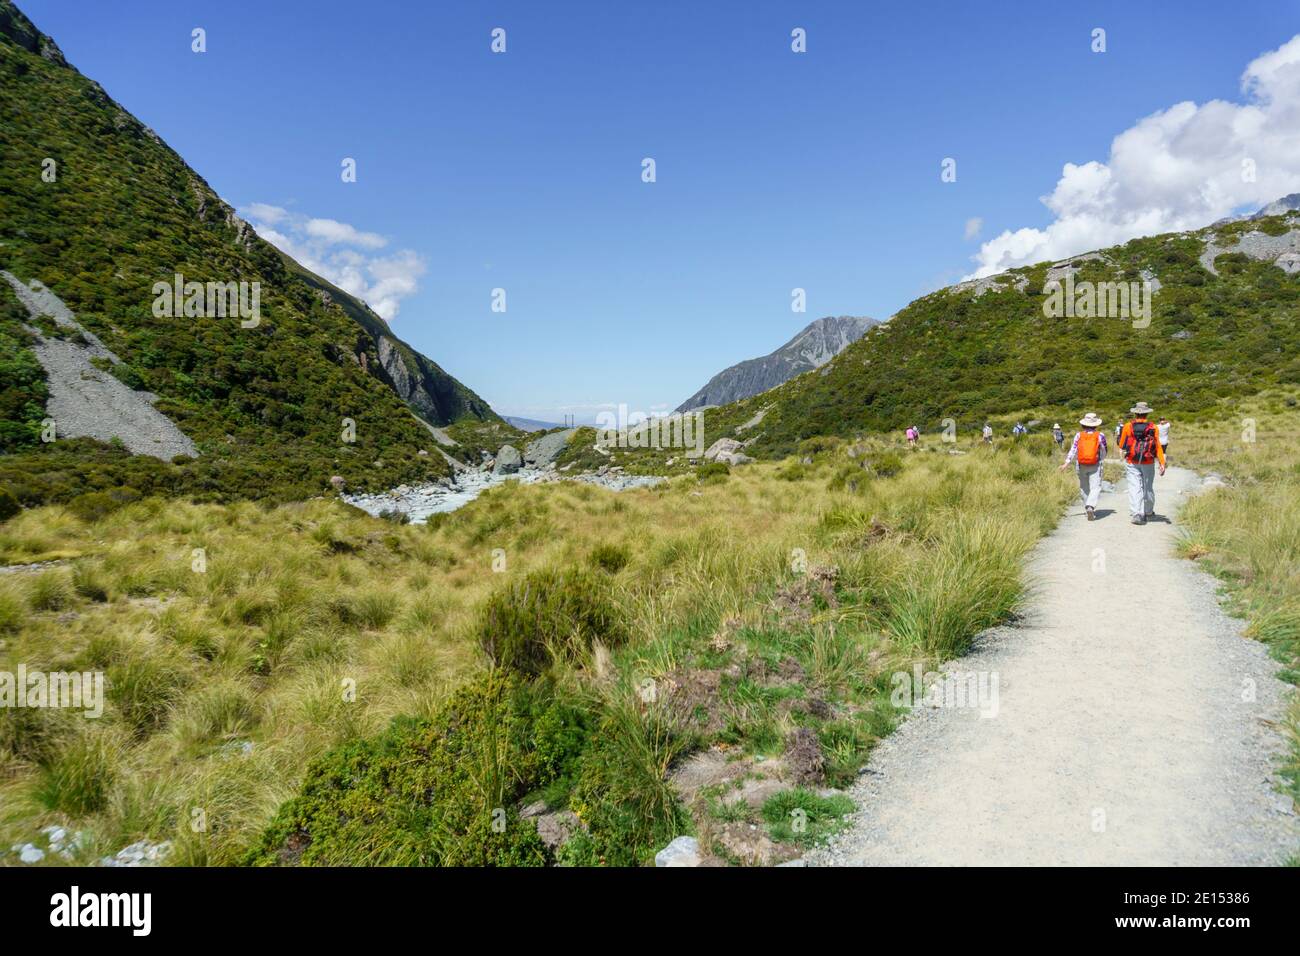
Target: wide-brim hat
[(1090, 420), (1057, 425), (1141, 408)]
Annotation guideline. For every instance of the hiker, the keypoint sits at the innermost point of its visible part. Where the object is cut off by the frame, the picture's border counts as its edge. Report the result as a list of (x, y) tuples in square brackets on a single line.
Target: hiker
[(1140, 446), (1163, 428), (1058, 436), (988, 434), (1018, 429), (911, 436), (1087, 452)]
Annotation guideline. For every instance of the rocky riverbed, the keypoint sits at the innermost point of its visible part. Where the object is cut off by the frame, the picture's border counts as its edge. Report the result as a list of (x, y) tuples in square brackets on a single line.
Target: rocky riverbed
[(417, 502)]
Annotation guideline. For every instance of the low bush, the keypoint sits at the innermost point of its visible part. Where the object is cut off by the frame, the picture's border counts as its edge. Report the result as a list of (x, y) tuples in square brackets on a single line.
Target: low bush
[(549, 615), (425, 792)]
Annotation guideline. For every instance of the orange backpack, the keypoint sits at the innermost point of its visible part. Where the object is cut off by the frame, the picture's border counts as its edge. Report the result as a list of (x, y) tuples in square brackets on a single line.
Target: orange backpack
[(1088, 450)]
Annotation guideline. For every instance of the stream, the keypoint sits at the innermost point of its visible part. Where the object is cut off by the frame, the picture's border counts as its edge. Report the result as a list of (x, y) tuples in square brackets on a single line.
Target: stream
[(420, 501)]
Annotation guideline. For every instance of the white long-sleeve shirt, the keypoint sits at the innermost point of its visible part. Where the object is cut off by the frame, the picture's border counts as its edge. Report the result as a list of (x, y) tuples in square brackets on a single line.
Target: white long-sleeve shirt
[(1074, 448)]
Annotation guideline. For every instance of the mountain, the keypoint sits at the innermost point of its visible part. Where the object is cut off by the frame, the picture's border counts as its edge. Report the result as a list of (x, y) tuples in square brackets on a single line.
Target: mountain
[(1280, 207), (813, 347), (1224, 322), (97, 214)]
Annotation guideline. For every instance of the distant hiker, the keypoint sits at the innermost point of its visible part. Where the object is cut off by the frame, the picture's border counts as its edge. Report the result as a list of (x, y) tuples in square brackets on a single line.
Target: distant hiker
[(911, 436), (1140, 445), (1163, 427), (1017, 429), (1058, 436), (1119, 427), (988, 434), (1087, 452)]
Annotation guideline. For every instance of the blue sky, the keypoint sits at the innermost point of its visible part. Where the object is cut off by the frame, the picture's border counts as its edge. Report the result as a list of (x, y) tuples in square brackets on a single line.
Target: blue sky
[(775, 170)]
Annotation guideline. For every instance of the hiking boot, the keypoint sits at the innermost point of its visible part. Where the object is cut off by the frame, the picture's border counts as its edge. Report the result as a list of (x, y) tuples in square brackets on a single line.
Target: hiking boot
[(1138, 519), (1091, 515)]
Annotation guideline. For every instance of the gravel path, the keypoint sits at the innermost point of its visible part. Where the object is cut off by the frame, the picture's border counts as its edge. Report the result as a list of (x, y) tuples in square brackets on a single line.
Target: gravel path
[(1121, 736)]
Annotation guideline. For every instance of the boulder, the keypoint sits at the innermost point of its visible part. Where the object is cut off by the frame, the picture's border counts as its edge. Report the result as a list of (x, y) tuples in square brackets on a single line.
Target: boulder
[(542, 451), (508, 461), (683, 851), (555, 829), (723, 446), (339, 484)]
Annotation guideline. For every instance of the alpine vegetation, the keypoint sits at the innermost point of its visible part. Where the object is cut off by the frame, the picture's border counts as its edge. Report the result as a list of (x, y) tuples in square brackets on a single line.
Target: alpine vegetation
[(278, 590)]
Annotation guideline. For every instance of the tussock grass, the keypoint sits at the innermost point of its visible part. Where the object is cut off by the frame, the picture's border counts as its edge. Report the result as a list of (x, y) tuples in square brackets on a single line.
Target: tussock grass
[(242, 643), (1248, 533)]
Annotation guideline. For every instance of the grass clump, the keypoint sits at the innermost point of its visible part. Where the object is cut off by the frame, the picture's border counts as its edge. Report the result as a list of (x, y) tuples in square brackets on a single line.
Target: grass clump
[(611, 558), (77, 781), (802, 817), (550, 615)]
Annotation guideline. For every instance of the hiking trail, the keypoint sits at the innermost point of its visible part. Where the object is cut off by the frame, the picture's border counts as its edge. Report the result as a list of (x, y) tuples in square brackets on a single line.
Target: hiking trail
[(1124, 733)]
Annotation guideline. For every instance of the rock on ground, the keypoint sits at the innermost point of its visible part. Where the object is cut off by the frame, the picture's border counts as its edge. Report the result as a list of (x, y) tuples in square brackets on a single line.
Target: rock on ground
[(540, 452), (723, 446), (683, 851), (508, 461)]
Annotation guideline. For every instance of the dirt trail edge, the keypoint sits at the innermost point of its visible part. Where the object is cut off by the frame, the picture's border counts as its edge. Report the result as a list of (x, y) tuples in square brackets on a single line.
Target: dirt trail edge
[(1134, 723)]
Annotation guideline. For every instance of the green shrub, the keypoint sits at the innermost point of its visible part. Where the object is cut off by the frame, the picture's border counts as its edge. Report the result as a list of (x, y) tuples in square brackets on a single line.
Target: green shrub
[(9, 505), (622, 794), (549, 614), (95, 505), (713, 469), (436, 792), (819, 444)]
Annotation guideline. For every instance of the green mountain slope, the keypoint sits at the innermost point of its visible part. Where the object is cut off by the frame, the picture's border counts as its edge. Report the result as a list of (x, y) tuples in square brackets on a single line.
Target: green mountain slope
[(97, 208), (1224, 323)]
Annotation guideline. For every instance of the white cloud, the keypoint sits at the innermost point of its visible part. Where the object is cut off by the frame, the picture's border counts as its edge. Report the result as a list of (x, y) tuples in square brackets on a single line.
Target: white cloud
[(1180, 168), (266, 213), (333, 232), (973, 227), (342, 254)]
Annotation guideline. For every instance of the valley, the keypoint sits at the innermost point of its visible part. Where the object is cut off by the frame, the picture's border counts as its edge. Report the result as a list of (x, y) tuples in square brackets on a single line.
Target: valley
[(328, 605)]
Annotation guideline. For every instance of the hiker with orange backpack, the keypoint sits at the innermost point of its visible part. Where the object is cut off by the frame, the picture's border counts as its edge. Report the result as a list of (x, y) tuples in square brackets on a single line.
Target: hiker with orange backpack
[(1139, 442), (1087, 452)]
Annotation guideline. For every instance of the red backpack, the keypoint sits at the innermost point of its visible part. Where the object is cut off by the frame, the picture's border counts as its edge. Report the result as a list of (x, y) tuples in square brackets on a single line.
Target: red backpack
[(1141, 445)]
